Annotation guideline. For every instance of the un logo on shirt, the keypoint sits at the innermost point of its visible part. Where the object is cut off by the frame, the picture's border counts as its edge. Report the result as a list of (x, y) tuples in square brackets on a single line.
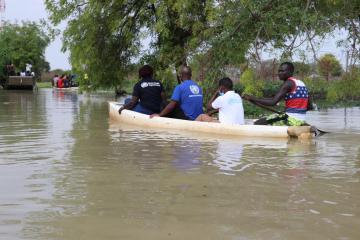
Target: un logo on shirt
[(194, 89), (144, 84)]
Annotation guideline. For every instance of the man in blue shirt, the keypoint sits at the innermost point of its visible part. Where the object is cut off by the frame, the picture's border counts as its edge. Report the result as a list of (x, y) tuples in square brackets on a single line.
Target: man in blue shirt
[(186, 100)]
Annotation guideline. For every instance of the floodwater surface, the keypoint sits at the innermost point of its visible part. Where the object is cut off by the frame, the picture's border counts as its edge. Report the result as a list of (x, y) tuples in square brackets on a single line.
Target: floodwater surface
[(68, 172)]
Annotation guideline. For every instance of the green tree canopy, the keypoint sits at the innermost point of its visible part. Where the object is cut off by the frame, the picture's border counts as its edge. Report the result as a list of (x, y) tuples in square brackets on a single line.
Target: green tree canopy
[(22, 44), (328, 66), (104, 36)]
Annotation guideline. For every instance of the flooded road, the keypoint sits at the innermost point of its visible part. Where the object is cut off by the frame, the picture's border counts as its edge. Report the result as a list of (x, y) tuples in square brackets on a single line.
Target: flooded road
[(67, 172)]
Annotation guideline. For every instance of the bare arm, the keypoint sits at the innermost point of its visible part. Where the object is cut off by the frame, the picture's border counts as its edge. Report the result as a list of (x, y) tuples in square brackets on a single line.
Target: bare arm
[(285, 88), (168, 109), (130, 105), (209, 105)]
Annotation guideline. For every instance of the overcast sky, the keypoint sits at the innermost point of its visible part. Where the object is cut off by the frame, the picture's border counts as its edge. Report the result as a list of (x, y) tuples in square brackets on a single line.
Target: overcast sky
[(19, 10), (33, 10)]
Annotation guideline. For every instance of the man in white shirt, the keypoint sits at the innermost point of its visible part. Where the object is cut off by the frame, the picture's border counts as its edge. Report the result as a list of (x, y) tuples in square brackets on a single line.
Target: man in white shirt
[(228, 103), (28, 67)]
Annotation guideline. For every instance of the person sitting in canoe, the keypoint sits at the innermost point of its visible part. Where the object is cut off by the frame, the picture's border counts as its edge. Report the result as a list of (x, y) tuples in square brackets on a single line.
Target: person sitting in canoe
[(147, 95), (186, 100), (296, 97), (228, 102)]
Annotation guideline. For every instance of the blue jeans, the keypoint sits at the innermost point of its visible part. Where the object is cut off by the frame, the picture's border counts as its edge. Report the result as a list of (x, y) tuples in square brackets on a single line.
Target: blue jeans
[(138, 108)]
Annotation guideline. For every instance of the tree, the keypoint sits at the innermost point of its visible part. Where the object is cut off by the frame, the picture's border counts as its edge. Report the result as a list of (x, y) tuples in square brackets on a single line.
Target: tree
[(328, 66), (22, 44), (104, 37), (344, 14), (252, 86), (302, 69)]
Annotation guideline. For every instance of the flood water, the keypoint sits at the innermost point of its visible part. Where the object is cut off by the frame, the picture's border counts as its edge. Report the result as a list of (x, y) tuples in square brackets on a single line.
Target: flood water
[(67, 172)]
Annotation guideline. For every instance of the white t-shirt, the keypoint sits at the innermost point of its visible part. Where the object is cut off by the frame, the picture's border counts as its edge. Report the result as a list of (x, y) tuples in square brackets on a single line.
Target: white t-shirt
[(230, 107), (55, 81), (28, 67)]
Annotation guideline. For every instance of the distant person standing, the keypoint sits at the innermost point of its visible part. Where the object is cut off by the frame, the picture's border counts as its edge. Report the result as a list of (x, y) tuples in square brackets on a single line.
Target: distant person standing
[(28, 69), (55, 80), (148, 94), (10, 70)]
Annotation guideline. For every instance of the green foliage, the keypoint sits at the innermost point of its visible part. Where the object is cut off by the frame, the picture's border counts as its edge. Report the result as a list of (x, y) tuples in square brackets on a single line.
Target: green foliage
[(168, 78), (44, 85), (271, 88), (317, 87), (103, 45), (21, 44), (253, 111), (348, 88), (252, 86), (104, 37), (335, 92), (209, 86), (328, 66), (302, 69)]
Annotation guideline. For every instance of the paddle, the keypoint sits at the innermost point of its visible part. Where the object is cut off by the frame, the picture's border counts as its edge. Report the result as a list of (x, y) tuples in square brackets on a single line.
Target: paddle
[(318, 132), (266, 107)]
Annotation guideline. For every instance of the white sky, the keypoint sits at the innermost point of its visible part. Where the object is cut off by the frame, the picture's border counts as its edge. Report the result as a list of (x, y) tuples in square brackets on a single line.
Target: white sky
[(34, 10)]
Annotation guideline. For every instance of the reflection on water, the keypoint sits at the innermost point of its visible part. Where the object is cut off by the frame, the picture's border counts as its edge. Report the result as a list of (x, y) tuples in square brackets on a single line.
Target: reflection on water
[(228, 157), (340, 120), (66, 172)]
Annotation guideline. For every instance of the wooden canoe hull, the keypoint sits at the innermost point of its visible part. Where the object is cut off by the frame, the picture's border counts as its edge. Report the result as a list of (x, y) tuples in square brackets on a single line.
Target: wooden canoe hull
[(138, 119)]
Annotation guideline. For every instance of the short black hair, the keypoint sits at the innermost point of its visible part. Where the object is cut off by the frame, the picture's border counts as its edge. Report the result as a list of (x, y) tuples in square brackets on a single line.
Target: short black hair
[(289, 65), (226, 82), (186, 70), (146, 71)]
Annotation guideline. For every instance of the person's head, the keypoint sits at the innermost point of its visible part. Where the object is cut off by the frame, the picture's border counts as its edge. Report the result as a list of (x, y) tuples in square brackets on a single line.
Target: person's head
[(56, 75), (185, 73), (146, 71), (286, 70), (225, 84)]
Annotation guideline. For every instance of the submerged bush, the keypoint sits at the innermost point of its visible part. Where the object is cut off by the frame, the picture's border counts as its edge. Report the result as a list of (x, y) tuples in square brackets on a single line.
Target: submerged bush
[(335, 92), (251, 85), (317, 87), (348, 88)]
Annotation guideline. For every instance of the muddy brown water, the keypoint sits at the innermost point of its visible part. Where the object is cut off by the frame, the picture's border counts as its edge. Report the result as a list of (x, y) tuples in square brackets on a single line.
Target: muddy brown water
[(67, 172)]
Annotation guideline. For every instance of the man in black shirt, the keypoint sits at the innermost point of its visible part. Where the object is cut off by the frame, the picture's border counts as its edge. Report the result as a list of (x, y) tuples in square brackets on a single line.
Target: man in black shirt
[(148, 94)]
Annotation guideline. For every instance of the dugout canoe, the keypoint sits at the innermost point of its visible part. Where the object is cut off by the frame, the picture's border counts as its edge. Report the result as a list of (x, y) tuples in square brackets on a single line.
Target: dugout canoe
[(138, 119)]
